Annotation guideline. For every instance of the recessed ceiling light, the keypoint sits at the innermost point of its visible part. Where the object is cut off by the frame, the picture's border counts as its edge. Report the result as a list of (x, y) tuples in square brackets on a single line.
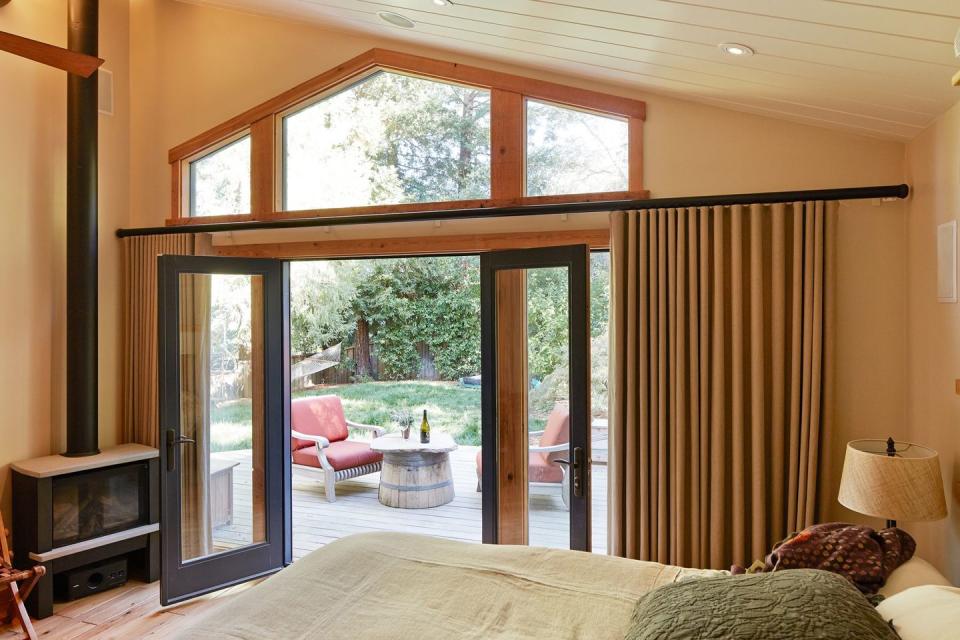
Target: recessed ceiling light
[(442, 3), (735, 49), (396, 19)]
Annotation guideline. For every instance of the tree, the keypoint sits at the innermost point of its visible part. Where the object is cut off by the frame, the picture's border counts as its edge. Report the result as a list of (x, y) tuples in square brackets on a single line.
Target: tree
[(390, 138), (321, 294)]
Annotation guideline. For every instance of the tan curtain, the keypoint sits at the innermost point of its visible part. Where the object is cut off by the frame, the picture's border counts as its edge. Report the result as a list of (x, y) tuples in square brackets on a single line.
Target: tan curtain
[(139, 380), (195, 521), (720, 378)]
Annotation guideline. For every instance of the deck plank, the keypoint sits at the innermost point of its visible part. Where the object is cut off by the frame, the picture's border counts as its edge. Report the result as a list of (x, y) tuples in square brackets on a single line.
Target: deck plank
[(317, 522)]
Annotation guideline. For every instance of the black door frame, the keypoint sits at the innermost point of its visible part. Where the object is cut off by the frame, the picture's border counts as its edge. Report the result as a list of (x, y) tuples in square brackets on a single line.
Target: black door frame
[(576, 258), (181, 581)]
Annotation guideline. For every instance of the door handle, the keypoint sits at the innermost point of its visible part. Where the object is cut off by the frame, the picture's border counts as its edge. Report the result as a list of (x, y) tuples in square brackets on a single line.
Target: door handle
[(172, 441), (576, 470)]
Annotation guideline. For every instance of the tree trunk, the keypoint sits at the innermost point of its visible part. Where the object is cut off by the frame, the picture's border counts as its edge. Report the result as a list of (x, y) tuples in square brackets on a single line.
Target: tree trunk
[(361, 349)]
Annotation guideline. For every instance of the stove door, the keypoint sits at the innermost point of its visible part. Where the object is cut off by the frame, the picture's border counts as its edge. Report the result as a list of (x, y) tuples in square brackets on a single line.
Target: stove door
[(223, 332)]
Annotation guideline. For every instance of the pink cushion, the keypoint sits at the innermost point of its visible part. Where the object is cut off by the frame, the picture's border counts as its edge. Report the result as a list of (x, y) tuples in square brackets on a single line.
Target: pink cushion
[(344, 454), (541, 467), (318, 416)]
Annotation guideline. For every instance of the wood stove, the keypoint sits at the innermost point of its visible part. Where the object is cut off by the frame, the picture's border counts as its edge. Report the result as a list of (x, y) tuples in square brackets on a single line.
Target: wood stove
[(73, 512)]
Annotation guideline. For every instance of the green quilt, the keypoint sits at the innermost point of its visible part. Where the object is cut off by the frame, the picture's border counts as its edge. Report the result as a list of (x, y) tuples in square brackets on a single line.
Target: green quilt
[(785, 605)]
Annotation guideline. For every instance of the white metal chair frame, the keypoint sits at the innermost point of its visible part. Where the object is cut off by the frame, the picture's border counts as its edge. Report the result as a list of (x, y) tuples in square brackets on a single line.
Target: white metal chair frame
[(330, 475)]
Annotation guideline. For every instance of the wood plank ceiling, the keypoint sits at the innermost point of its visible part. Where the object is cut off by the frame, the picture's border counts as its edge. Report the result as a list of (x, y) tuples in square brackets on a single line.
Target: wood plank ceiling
[(878, 67)]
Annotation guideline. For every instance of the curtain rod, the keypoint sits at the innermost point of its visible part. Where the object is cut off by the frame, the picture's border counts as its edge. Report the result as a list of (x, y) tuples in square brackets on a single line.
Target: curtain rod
[(769, 197)]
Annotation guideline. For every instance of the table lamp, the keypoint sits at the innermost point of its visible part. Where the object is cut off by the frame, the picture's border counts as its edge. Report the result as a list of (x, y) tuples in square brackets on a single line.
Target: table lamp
[(892, 480)]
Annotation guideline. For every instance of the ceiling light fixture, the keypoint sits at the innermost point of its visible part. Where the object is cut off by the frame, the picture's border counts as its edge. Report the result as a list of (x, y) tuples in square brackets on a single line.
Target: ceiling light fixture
[(442, 3), (396, 19), (735, 49)]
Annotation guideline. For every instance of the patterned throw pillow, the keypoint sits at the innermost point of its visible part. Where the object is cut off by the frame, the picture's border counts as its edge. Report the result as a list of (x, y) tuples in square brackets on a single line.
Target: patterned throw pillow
[(787, 605)]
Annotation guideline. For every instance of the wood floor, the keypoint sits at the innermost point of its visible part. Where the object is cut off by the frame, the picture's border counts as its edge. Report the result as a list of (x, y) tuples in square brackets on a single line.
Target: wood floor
[(126, 613), (134, 611)]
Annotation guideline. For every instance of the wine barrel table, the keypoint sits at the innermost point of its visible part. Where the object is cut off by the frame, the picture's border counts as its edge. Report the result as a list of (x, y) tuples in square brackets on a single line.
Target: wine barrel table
[(415, 475)]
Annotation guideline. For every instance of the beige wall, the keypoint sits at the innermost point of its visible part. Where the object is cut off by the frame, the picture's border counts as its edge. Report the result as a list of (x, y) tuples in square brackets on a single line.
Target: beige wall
[(32, 247), (194, 67), (933, 344)]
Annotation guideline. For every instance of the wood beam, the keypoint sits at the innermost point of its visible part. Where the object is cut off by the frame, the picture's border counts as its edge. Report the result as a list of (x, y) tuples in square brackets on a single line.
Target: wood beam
[(506, 155), (414, 207), (512, 384), (263, 153), (596, 239)]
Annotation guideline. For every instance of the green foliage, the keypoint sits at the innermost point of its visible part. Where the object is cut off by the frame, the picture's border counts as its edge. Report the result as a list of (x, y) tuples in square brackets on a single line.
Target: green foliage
[(321, 294), (556, 385), (547, 321), (434, 301), (390, 138), (430, 300), (548, 314), (435, 137), (402, 418), (573, 151)]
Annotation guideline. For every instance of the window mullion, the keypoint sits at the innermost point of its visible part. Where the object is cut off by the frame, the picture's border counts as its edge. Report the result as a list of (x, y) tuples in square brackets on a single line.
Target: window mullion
[(506, 145), (262, 167)]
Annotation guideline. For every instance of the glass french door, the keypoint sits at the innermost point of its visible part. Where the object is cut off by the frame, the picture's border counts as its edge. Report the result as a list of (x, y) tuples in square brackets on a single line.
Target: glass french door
[(223, 333), (536, 397)]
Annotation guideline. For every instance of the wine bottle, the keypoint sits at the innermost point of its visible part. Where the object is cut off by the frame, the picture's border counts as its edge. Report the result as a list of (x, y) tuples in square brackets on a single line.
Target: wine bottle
[(425, 429)]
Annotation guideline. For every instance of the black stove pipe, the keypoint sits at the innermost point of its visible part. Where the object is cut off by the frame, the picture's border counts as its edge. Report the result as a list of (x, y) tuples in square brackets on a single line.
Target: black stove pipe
[(82, 414)]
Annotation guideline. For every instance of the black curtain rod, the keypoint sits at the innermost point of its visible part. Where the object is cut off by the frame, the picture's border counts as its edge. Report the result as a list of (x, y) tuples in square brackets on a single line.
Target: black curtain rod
[(770, 197)]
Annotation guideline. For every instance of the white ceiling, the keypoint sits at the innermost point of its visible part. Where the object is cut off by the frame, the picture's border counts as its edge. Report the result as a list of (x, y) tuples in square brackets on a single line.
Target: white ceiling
[(879, 67)]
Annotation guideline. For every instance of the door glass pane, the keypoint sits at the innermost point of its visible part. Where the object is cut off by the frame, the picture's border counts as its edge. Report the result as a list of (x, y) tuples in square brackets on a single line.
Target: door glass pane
[(533, 406), (548, 406), (221, 410), (599, 400), (574, 151)]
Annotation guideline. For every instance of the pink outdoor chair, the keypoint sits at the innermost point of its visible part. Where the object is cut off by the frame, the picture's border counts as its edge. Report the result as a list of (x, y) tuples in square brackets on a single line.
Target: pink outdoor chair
[(320, 442), (554, 442)]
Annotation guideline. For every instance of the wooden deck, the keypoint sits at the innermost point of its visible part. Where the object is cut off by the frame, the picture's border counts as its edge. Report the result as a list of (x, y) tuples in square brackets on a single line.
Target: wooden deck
[(317, 522)]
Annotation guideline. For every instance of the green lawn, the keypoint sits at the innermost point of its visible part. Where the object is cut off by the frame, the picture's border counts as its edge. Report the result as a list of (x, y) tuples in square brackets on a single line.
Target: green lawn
[(450, 407)]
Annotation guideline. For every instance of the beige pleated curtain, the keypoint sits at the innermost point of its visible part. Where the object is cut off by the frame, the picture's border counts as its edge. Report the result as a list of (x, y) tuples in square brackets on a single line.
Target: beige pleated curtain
[(196, 527), (720, 387), (140, 411)]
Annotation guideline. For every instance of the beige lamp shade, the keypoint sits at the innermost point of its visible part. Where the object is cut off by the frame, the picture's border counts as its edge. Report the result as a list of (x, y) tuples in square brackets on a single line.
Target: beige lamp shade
[(907, 486)]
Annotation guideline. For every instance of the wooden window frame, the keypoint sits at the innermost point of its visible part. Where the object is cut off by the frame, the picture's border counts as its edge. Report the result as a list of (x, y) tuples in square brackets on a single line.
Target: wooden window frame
[(508, 95)]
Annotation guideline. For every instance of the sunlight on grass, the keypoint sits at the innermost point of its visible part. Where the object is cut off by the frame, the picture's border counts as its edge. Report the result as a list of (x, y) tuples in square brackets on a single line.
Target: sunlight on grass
[(451, 408)]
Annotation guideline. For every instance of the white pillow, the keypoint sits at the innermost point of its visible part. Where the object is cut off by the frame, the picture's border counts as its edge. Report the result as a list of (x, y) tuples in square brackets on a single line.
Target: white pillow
[(930, 612), (912, 573)]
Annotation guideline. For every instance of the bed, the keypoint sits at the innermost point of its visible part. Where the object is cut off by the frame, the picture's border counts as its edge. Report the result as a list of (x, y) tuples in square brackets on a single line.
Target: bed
[(394, 585)]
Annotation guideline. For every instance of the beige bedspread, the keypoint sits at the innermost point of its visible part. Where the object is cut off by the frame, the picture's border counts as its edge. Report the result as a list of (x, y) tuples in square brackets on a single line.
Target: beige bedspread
[(392, 585)]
